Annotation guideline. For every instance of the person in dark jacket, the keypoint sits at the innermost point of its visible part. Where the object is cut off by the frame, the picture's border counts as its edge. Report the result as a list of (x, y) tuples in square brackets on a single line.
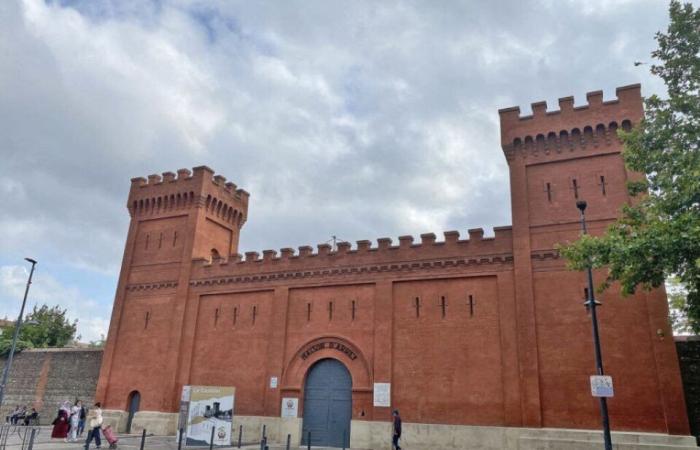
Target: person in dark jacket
[(397, 431)]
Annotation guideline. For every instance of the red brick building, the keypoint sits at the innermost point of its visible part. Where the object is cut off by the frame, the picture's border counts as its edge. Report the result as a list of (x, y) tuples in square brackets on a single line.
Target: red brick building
[(470, 332)]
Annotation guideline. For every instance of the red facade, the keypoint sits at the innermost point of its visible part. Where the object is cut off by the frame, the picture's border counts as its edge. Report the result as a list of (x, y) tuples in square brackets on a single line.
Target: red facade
[(475, 331)]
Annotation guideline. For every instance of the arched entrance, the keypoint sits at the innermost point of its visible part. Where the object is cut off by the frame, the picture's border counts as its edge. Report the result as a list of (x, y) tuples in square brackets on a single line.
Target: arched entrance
[(327, 404), (134, 401)]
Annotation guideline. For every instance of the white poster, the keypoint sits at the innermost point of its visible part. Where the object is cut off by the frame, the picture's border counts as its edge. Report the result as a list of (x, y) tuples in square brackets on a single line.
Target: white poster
[(290, 407), (382, 394), (602, 386)]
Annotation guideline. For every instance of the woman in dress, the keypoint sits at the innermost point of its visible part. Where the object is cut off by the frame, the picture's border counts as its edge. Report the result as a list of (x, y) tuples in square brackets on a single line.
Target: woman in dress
[(75, 420), (60, 423)]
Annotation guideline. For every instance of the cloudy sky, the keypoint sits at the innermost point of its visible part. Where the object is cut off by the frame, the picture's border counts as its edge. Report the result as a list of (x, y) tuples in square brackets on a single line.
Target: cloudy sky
[(355, 119)]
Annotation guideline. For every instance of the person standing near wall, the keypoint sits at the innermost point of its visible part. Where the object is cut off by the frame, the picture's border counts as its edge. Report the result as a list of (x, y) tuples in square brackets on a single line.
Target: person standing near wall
[(81, 422), (94, 419), (397, 431), (74, 421)]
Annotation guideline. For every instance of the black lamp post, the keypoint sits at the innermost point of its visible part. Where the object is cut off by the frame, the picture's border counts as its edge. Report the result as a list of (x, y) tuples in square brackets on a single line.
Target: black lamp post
[(591, 305), (18, 325)]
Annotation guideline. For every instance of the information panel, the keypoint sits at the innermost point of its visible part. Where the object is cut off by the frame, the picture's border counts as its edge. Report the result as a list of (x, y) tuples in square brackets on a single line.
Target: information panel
[(209, 407)]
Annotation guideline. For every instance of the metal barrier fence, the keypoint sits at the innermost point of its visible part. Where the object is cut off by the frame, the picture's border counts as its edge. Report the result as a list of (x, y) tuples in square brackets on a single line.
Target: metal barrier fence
[(20, 437)]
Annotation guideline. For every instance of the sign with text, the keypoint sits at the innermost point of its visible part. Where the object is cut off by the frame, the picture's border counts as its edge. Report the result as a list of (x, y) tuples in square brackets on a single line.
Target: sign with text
[(382, 394), (601, 386), (330, 344), (290, 407), (210, 407)]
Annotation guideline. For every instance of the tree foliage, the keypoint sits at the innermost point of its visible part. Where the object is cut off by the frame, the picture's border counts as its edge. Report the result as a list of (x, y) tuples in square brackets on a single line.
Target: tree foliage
[(658, 235), (50, 328)]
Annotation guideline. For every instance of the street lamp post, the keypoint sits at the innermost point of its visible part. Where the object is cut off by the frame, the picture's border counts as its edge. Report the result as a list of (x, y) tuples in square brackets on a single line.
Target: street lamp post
[(591, 304), (18, 325)]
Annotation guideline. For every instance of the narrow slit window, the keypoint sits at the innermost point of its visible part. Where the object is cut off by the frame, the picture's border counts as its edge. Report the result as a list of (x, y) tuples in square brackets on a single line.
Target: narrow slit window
[(416, 304), (255, 313), (471, 305), (443, 306), (147, 319), (548, 188), (148, 238), (330, 310), (602, 184), (235, 315), (160, 240), (174, 238), (308, 312), (575, 186), (354, 306)]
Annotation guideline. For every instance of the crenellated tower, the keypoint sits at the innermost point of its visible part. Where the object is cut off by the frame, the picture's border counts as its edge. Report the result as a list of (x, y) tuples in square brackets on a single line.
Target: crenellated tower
[(163, 205), (555, 158), (175, 218)]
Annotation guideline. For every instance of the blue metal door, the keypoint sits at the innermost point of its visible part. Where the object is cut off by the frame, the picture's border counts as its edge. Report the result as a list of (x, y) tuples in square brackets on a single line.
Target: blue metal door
[(327, 404)]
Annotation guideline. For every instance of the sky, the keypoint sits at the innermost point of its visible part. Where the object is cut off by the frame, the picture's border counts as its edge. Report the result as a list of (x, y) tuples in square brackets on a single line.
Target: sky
[(358, 119)]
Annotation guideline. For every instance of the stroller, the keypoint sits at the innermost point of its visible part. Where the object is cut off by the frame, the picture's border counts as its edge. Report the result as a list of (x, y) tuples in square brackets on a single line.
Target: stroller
[(109, 435)]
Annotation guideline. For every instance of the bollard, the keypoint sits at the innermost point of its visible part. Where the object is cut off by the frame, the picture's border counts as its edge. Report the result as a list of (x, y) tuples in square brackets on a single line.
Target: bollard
[(143, 439), (308, 440), (211, 440), (179, 441), (31, 439), (240, 435), (264, 431), (289, 441)]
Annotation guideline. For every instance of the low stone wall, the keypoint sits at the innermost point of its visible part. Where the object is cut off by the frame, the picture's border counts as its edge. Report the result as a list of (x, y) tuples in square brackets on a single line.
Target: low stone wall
[(42, 378), (688, 348)]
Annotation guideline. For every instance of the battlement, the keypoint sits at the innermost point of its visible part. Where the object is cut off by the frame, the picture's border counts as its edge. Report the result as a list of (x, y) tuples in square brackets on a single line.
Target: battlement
[(477, 249), (570, 127), (197, 188)]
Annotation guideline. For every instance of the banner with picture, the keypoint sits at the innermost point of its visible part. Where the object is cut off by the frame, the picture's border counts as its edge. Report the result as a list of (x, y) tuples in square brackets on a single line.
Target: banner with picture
[(210, 407)]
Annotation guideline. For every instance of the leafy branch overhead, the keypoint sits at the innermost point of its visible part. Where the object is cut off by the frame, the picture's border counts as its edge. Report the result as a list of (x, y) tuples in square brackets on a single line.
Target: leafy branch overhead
[(658, 235)]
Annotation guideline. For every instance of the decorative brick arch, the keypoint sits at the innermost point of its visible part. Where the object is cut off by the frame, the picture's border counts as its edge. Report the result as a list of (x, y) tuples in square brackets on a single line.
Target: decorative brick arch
[(327, 346)]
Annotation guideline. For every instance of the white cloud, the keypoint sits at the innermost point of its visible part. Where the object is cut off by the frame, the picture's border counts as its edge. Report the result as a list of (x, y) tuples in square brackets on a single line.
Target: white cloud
[(360, 120), (93, 318)]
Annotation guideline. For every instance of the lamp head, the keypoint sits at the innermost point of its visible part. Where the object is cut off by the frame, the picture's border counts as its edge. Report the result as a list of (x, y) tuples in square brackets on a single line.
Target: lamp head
[(581, 205), (30, 260)]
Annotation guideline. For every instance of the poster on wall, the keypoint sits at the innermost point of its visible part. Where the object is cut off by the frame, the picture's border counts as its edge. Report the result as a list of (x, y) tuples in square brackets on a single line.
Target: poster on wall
[(382, 394), (290, 407), (210, 407)]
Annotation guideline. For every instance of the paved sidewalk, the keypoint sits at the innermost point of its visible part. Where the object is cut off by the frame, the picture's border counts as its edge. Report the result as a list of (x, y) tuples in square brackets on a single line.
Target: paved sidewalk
[(44, 442)]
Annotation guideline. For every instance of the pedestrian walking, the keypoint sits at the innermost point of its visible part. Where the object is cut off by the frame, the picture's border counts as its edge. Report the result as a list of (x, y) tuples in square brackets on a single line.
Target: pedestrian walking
[(60, 423), (74, 421), (397, 431), (94, 420)]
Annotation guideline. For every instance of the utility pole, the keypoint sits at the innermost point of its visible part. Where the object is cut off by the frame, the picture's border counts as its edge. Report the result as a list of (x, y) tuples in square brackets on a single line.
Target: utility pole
[(18, 325), (591, 304)]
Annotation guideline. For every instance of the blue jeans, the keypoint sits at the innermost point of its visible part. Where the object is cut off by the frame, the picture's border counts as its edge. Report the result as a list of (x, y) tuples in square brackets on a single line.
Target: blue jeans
[(93, 433)]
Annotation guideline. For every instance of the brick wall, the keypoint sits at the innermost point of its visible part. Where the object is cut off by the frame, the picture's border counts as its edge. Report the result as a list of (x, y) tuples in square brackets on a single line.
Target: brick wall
[(689, 355), (42, 378)]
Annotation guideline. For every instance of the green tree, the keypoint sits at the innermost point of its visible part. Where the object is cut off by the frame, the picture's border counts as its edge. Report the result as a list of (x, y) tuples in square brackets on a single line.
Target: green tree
[(658, 235), (50, 328)]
